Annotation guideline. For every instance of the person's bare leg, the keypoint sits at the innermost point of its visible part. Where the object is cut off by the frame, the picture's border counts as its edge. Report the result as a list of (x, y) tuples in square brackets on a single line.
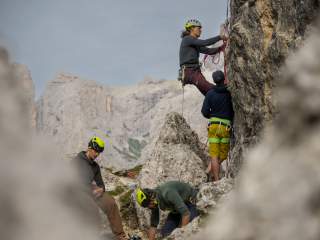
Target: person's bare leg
[(215, 168), (208, 170)]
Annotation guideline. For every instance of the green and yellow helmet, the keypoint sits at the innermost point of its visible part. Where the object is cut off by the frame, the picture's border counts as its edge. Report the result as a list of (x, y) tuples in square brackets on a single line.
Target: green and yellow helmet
[(192, 23), (96, 144), (144, 196)]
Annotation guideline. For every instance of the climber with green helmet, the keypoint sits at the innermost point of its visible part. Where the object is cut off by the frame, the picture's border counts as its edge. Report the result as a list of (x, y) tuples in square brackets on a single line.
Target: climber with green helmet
[(90, 175), (174, 196), (190, 49)]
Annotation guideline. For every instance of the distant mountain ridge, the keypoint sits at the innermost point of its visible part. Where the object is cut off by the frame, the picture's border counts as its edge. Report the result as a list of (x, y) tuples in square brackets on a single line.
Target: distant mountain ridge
[(72, 109)]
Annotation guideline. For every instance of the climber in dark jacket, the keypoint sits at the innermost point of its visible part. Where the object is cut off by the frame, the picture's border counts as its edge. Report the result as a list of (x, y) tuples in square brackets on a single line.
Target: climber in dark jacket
[(217, 107), (190, 49)]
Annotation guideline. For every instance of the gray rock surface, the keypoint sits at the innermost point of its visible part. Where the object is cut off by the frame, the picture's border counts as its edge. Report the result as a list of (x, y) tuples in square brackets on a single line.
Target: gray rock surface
[(211, 196), (263, 33), (178, 155), (277, 196), (210, 193), (38, 192), (23, 75), (128, 118), (186, 232)]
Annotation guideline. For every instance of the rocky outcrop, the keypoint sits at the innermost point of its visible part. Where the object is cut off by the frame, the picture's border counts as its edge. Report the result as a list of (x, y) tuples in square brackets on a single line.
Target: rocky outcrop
[(177, 155), (277, 196), (210, 198), (263, 32), (210, 193), (128, 118)]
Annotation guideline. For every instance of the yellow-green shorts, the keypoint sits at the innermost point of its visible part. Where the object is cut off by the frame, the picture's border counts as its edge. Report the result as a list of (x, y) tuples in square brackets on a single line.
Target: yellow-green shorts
[(219, 141)]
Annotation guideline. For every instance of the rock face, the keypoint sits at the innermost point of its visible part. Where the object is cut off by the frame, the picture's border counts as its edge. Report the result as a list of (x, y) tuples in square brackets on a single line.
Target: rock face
[(263, 32), (210, 193), (278, 192), (210, 197), (23, 75), (127, 118), (177, 155), (34, 203)]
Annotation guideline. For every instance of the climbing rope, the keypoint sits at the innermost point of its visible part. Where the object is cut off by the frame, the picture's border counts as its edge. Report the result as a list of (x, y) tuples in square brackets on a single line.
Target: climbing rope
[(227, 29), (228, 6), (182, 99), (216, 59), (225, 44)]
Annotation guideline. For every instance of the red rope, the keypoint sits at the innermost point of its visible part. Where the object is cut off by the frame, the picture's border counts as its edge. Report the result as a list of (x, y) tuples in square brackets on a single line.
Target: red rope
[(213, 57), (225, 42)]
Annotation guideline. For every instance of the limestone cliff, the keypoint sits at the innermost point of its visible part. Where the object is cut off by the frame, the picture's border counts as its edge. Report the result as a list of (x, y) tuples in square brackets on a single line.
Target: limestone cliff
[(277, 196), (128, 118), (263, 33)]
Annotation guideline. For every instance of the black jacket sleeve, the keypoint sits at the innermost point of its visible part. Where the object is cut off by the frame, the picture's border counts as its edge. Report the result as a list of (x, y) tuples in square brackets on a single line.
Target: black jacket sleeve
[(203, 43), (209, 51), (206, 106), (98, 179)]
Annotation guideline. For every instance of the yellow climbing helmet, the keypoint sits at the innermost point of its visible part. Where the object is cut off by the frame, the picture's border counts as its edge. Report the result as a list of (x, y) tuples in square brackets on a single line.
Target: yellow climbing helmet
[(192, 23), (144, 197), (141, 197), (96, 144)]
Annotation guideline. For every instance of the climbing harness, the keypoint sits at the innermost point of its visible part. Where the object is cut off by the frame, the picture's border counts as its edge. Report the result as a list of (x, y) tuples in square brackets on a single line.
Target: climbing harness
[(221, 122)]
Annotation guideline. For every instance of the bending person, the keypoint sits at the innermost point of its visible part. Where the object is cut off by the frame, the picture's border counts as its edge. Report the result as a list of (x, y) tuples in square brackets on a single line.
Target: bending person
[(190, 49), (174, 196)]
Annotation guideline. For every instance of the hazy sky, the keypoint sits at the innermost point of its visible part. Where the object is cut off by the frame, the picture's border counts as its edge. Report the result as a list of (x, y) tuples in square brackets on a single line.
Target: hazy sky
[(116, 42)]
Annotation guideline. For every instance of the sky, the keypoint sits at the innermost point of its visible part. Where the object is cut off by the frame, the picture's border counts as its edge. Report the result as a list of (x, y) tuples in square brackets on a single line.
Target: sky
[(115, 42)]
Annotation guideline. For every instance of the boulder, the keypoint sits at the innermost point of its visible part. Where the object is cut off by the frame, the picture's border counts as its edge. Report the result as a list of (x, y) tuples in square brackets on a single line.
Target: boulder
[(178, 155)]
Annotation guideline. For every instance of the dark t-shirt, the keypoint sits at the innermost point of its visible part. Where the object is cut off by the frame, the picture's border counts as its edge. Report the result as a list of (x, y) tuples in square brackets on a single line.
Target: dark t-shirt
[(217, 103), (191, 48), (89, 171)]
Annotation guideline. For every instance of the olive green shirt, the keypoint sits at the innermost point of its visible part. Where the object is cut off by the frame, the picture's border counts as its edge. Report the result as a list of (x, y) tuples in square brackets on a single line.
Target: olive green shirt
[(172, 196)]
